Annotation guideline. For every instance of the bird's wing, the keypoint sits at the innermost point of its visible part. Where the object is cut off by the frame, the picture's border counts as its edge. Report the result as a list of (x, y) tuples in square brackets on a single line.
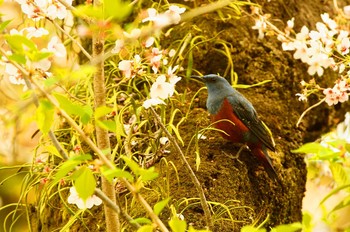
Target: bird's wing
[(247, 114)]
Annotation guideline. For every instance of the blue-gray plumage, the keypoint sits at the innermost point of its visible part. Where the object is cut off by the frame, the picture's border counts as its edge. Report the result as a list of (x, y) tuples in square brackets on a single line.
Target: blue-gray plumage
[(236, 116)]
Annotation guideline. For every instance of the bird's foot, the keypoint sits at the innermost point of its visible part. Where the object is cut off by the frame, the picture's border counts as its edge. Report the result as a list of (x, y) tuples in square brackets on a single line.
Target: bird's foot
[(237, 154)]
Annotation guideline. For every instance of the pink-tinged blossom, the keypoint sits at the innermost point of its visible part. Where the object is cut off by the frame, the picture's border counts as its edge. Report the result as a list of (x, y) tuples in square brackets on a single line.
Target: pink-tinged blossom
[(134, 33), (119, 45), (344, 45), (131, 68), (155, 59), (56, 47), (290, 23), (346, 10), (39, 9), (152, 102), (301, 97), (339, 93), (171, 16), (30, 32), (318, 63), (261, 26), (74, 198), (15, 75), (161, 88), (152, 15), (149, 42), (330, 22), (303, 35), (173, 79), (301, 51)]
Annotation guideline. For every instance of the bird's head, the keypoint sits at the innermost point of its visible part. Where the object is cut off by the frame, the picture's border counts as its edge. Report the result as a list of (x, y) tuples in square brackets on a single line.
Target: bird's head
[(218, 89), (217, 84)]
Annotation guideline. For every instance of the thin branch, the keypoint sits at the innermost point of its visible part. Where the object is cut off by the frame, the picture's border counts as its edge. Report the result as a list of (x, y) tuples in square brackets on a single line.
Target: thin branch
[(71, 38), (113, 206), (189, 169), (308, 109)]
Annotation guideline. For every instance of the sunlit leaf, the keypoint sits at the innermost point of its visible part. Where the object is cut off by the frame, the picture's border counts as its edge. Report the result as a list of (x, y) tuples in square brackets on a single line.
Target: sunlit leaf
[(145, 174), (85, 112), (141, 220), (307, 222), (110, 174), (287, 228), (160, 206), (148, 174), (102, 111), (110, 6), (18, 58), (177, 225), (85, 183), (20, 43), (4, 24), (107, 125), (44, 116), (65, 168), (339, 174), (53, 150), (145, 228), (322, 152)]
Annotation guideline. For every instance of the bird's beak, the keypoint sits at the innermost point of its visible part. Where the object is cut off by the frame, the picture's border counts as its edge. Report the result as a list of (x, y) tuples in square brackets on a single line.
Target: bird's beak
[(198, 78)]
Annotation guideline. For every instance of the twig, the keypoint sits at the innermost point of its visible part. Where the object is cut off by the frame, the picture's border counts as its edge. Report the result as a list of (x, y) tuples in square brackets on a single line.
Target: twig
[(308, 109), (189, 169), (71, 38)]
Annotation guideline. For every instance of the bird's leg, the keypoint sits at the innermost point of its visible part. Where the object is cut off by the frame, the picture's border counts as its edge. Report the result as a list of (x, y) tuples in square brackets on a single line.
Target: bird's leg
[(240, 150), (237, 154)]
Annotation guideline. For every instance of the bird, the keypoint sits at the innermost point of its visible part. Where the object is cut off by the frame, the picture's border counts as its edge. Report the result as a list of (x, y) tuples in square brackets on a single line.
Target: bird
[(238, 121)]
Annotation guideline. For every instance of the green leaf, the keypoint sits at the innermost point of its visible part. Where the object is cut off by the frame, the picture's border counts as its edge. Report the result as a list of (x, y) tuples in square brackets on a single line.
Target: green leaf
[(110, 6), (39, 55), (160, 206), (85, 112), (53, 150), (20, 43), (177, 225), (146, 228), (65, 168), (44, 116), (102, 111), (85, 183), (89, 10), (145, 174), (307, 222), (287, 228), (339, 174), (18, 58), (316, 148), (4, 24), (107, 125), (115, 173), (148, 174), (141, 221)]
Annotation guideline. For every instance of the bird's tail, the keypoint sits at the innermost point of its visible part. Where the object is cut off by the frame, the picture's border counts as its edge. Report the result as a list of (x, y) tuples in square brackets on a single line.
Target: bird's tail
[(265, 160)]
